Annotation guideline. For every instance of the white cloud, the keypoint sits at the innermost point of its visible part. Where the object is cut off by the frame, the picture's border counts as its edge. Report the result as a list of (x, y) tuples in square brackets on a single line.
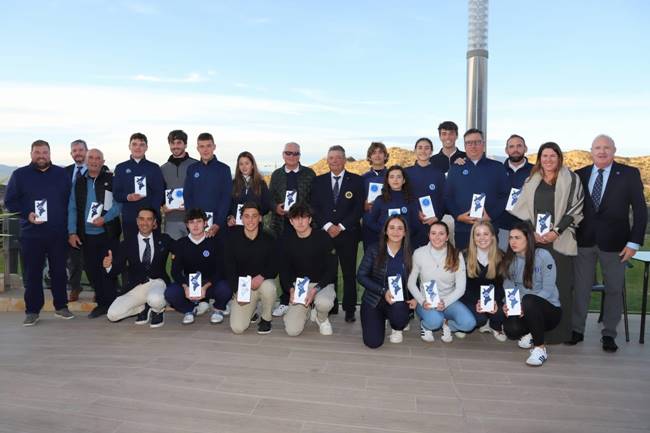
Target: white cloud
[(193, 77), (141, 8)]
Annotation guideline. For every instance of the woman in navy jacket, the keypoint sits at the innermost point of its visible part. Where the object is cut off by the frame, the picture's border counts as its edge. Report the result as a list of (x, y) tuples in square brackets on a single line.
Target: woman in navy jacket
[(395, 198), (390, 257), (248, 185)]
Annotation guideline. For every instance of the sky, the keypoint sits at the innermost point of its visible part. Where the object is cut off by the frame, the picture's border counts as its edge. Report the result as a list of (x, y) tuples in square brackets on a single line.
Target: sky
[(257, 74)]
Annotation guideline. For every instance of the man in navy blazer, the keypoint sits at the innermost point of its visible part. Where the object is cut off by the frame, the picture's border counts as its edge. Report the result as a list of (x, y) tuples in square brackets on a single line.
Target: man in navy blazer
[(145, 255), (337, 201), (605, 236)]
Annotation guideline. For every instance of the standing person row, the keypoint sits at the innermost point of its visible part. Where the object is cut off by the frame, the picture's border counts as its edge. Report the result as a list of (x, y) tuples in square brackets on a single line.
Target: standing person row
[(77, 169)]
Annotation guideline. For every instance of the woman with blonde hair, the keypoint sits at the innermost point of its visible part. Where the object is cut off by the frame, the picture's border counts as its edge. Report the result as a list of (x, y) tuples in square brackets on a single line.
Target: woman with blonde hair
[(482, 259), (551, 199)]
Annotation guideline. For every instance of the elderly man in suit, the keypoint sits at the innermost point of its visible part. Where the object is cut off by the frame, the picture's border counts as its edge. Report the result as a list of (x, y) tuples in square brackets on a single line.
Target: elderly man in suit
[(337, 200), (605, 236)]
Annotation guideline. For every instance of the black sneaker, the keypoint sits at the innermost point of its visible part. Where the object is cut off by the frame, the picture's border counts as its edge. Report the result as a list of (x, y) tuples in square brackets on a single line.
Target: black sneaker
[(157, 320), (349, 317), (98, 311), (143, 316), (255, 317), (30, 319), (609, 344), (63, 313), (264, 327), (576, 338)]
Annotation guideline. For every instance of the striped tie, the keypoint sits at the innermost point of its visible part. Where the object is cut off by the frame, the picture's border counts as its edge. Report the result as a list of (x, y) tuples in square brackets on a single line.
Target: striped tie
[(597, 190)]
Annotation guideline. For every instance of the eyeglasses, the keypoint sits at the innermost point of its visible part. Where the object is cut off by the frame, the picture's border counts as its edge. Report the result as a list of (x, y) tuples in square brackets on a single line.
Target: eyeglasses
[(289, 153), (474, 143)]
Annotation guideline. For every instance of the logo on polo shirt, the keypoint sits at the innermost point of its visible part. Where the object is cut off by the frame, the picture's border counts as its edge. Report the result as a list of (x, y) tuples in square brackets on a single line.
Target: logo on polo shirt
[(404, 209), (432, 186), (465, 172), (128, 170), (196, 175), (206, 253)]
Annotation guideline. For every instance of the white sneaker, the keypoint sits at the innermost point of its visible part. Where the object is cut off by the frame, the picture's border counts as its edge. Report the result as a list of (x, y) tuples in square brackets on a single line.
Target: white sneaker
[(460, 334), (396, 336), (280, 310), (226, 312), (407, 328), (537, 357), (188, 318), (313, 315), (201, 308), (426, 334), (216, 317), (526, 342), (446, 334), (325, 327), (498, 335)]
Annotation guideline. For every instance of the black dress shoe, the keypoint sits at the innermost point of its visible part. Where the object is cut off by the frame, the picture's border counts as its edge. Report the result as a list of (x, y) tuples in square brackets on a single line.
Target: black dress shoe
[(609, 345), (349, 317), (98, 311), (576, 338)]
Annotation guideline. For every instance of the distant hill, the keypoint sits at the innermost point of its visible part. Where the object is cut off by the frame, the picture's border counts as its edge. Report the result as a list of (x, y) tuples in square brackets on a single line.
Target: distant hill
[(574, 159), (5, 173)]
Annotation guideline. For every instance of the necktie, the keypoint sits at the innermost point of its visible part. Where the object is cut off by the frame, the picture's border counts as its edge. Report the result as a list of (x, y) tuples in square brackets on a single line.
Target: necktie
[(146, 257), (336, 189), (597, 190), (78, 173)]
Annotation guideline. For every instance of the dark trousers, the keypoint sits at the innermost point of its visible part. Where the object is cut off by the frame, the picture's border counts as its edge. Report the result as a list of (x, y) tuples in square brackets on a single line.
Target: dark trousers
[(496, 319), (33, 252), (219, 291), (539, 316), (373, 321), (75, 268), (461, 239), (94, 249), (346, 245)]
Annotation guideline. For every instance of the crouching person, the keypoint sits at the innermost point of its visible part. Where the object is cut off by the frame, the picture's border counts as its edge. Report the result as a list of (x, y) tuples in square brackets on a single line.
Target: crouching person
[(144, 256), (309, 259), (197, 269), (251, 268)]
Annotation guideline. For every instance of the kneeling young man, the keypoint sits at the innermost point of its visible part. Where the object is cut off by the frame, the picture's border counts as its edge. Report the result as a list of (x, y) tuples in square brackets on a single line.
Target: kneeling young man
[(197, 262), (145, 258), (308, 254), (251, 254)]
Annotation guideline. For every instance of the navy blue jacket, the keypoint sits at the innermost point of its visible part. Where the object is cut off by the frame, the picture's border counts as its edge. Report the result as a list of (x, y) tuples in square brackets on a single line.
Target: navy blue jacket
[(442, 162), (348, 208), (379, 214), (516, 179), (373, 277), (28, 184), (263, 200), (206, 257), (128, 254), (608, 227), (428, 181), (123, 186), (209, 187), (487, 176)]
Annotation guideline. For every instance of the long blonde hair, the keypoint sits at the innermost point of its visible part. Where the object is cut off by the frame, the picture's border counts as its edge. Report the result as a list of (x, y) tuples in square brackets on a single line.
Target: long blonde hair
[(494, 253)]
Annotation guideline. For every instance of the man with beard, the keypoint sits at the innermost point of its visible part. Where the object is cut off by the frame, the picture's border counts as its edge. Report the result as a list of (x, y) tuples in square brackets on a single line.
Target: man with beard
[(174, 171), (39, 193), (518, 169)]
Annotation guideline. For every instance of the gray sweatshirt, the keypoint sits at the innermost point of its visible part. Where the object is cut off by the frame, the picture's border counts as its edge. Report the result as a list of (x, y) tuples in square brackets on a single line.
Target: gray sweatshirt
[(543, 277), (174, 175)]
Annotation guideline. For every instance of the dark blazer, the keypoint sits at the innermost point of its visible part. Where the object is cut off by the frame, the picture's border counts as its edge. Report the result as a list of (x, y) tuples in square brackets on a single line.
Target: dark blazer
[(608, 227), (128, 254), (349, 207)]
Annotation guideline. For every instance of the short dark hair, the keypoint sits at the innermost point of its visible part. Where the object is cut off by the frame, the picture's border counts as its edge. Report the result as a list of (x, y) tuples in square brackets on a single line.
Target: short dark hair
[(377, 145), (79, 141), (205, 136), (138, 136), (251, 205), (148, 209), (515, 136), (300, 210), (448, 125), (39, 143), (473, 131), (424, 139), (177, 134), (195, 214)]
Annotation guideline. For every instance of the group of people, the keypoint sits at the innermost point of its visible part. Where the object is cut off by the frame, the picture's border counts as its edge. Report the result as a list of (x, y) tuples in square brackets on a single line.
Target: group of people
[(506, 248)]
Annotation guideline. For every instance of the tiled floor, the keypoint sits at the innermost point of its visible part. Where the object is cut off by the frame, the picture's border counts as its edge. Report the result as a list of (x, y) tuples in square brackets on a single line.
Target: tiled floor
[(91, 376)]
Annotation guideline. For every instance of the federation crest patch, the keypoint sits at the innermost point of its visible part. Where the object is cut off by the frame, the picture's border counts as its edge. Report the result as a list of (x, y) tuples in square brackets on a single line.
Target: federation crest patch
[(465, 172), (348, 194), (206, 253), (404, 209), (196, 175), (432, 186), (128, 170)]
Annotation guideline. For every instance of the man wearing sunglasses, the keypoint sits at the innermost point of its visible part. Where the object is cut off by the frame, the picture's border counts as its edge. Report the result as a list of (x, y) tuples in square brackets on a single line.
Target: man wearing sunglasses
[(292, 176)]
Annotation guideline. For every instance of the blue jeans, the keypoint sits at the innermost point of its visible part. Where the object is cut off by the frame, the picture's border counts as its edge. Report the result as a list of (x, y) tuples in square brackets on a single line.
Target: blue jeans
[(458, 316)]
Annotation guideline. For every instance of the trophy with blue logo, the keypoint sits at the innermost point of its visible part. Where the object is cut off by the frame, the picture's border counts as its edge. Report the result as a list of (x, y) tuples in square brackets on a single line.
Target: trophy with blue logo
[(244, 289), (427, 207), (195, 285), (478, 205), (94, 212), (140, 185), (300, 289), (395, 287), (374, 191), (40, 209)]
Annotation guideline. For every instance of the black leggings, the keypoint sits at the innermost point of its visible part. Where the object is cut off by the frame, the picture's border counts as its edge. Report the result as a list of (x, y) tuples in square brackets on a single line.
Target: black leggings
[(539, 316)]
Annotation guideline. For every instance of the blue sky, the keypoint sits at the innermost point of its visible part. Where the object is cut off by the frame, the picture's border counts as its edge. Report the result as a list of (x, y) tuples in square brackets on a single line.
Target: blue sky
[(259, 74)]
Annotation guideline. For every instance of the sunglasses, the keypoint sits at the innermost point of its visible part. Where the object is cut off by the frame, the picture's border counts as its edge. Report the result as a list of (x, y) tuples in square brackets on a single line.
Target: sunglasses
[(289, 153)]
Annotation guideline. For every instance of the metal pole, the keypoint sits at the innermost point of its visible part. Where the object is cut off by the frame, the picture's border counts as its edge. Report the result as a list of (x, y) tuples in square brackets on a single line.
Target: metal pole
[(477, 65)]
